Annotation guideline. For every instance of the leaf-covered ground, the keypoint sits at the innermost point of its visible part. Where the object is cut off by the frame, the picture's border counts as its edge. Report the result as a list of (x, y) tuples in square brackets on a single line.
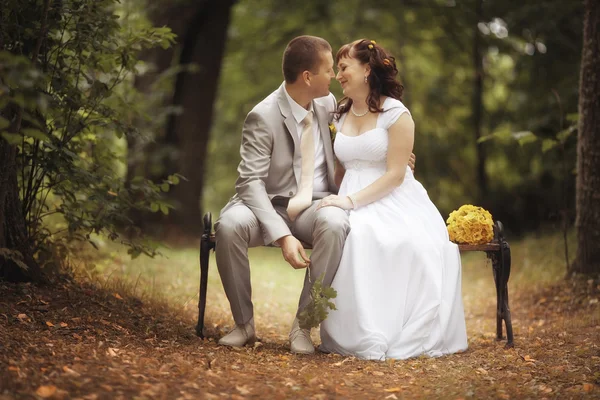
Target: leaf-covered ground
[(73, 340)]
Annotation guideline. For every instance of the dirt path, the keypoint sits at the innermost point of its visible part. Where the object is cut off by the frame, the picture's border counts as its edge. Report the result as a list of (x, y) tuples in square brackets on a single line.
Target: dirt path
[(79, 341)]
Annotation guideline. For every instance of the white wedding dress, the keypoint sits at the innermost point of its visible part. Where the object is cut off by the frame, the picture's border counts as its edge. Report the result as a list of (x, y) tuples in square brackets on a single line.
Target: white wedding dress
[(399, 280)]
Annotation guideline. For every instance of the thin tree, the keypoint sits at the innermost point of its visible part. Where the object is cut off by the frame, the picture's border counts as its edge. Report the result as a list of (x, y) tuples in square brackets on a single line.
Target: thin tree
[(587, 223), (478, 99)]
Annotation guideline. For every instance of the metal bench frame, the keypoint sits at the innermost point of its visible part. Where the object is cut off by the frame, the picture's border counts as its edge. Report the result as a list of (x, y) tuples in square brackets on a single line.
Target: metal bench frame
[(498, 250)]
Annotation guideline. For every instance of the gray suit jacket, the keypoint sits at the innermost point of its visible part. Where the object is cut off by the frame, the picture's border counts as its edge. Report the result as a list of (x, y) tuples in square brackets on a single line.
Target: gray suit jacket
[(270, 170)]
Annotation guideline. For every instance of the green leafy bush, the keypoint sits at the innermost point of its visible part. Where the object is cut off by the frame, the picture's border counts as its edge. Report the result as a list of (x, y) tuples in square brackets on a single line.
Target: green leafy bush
[(68, 104)]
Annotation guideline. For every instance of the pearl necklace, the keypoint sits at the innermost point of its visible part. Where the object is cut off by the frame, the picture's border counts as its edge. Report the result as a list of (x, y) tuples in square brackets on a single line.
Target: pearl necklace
[(358, 115)]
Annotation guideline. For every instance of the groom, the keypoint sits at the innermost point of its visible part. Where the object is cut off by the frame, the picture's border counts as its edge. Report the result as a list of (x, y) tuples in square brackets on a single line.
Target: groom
[(287, 166)]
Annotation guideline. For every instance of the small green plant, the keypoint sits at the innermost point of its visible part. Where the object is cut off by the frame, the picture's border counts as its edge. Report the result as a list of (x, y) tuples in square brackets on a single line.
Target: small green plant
[(319, 306)]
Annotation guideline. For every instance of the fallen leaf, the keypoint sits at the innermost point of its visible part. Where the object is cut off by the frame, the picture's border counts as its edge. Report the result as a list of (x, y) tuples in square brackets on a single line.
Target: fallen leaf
[(22, 317), (106, 387), (46, 391), (588, 387), (112, 352), (378, 373), (393, 390), (528, 358), (482, 371), (392, 397), (63, 324), (50, 324), (243, 390), (118, 296), (70, 371), (348, 383)]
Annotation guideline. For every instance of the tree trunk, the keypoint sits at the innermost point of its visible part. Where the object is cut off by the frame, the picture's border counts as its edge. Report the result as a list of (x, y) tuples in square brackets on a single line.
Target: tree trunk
[(202, 32), (478, 101), (204, 45), (16, 259), (587, 223)]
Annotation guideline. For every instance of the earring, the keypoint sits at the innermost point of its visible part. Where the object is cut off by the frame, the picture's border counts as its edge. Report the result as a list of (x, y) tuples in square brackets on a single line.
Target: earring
[(366, 81)]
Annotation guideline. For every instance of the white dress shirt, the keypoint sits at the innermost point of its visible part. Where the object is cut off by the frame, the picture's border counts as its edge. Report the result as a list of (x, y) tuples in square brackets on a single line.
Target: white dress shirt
[(320, 178)]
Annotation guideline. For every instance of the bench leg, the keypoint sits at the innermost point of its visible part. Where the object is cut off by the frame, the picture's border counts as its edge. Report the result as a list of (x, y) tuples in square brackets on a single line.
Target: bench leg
[(205, 246), (505, 259), (501, 261), (497, 269)]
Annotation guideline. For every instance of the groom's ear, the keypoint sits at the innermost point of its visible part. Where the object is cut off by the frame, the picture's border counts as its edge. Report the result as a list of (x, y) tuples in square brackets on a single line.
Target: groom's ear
[(306, 77)]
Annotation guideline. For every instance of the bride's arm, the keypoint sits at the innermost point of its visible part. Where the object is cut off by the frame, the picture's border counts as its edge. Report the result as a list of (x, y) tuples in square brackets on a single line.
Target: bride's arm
[(400, 145), (339, 173)]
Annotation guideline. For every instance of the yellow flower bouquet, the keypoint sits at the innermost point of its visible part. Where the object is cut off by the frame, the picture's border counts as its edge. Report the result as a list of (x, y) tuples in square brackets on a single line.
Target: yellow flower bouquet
[(471, 225)]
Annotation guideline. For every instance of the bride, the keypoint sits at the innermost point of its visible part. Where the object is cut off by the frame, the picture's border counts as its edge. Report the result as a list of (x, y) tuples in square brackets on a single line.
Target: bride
[(399, 279)]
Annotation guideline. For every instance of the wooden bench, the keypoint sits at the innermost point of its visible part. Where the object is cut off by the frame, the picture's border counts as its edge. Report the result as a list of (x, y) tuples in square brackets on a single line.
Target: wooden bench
[(497, 250)]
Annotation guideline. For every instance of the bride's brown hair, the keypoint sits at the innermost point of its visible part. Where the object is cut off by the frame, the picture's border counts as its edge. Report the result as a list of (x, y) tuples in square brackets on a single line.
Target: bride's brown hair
[(382, 79)]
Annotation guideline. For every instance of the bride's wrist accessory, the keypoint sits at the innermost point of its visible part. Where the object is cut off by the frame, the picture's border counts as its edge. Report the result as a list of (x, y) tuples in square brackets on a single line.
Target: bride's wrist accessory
[(353, 201), (354, 112)]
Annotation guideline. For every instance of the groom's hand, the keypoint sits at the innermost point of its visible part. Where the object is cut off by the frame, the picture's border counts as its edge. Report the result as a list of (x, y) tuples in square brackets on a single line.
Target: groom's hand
[(293, 252), (412, 160)]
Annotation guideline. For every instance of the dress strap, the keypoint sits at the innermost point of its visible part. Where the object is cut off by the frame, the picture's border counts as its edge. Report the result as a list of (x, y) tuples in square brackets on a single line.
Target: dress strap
[(392, 110)]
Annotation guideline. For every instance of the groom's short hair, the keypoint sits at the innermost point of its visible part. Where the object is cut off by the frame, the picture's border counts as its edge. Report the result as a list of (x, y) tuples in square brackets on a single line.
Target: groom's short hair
[(303, 53)]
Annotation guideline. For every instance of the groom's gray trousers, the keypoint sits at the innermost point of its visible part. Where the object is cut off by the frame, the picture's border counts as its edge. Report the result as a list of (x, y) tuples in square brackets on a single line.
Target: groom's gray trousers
[(238, 229)]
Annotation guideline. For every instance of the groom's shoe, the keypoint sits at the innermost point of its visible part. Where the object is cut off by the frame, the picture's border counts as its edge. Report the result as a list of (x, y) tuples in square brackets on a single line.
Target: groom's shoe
[(240, 336), (300, 341)]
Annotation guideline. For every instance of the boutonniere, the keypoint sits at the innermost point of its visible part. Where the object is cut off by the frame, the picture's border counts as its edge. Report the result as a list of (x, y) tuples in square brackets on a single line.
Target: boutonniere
[(332, 132)]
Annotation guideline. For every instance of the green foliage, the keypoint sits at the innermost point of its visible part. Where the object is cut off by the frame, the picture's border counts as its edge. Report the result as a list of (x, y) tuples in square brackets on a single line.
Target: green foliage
[(317, 310), (78, 103)]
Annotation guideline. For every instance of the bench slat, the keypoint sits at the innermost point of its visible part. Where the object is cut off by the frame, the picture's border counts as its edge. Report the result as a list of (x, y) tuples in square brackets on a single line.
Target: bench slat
[(492, 246)]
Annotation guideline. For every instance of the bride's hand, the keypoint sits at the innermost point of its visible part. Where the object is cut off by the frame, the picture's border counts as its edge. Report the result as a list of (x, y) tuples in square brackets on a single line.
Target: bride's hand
[(342, 202)]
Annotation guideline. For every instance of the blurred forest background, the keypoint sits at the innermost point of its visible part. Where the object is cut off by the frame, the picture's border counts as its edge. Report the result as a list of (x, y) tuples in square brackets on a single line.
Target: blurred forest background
[(124, 117), (472, 70)]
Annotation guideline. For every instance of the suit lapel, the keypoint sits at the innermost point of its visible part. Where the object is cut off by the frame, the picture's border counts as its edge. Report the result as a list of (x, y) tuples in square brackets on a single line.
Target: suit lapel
[(290, 127), (323, 118), (290, 122)]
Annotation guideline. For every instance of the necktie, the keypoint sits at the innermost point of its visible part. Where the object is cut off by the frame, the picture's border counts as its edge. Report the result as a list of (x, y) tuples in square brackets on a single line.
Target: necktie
[(303, 198)]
